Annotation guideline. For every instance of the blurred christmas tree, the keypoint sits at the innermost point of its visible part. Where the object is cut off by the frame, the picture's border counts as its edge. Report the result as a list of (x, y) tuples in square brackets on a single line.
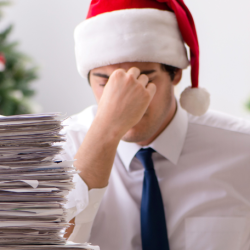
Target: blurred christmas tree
[(248, 105), (16, 74)]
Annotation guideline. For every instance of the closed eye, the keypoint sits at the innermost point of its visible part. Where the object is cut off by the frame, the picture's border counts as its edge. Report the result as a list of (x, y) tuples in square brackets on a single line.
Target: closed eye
[(102, 85), (101, 75)]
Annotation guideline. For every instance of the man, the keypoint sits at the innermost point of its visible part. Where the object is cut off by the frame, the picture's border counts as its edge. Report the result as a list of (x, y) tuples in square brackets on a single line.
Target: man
[(151, 175)]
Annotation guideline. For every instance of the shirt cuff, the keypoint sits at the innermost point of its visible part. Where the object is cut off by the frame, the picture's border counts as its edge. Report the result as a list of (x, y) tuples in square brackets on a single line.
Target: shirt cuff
[(83, 206), (81, 199)]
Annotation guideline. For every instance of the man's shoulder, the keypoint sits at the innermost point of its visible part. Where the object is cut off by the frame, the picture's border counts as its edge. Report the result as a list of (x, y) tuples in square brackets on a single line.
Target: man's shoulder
[(82, 120), (215, 120)]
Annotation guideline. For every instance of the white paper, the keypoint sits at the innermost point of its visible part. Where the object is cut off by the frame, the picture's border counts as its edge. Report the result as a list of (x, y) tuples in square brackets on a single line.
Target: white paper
[(28, 190), (33, 185)]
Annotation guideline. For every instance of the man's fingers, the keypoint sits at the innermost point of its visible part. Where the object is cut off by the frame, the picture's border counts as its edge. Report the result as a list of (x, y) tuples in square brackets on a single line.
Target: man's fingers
[(134, 71), (143, 79), (151, 88)]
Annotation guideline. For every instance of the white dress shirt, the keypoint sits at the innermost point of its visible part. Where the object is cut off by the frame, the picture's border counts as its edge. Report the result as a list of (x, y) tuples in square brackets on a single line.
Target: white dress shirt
[(203, 169)]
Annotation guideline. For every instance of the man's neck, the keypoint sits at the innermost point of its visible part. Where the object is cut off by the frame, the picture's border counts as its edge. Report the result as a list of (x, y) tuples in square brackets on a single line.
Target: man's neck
[(167, 121)]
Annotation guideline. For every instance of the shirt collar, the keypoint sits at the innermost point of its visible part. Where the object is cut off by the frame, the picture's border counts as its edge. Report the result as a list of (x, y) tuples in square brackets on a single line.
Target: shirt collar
[(169, 143)]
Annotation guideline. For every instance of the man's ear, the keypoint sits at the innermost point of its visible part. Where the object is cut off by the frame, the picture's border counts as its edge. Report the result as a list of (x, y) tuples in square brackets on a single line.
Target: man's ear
[(177, 77)]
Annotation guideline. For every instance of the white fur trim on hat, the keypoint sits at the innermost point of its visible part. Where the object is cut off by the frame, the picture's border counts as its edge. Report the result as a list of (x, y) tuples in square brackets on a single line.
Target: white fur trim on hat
[(195, 101), (132, 35)]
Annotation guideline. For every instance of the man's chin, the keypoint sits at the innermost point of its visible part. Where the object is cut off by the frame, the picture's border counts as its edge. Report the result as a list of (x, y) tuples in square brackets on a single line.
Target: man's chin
[(136, 136)]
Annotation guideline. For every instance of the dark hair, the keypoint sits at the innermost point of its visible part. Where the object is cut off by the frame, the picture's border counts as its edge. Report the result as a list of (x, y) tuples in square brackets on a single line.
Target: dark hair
[(170, 69), (89, 77)]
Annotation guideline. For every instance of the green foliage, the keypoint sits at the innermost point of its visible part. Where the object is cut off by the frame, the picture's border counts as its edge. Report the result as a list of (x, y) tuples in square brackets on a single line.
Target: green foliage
[(15, 80), (248, 105)]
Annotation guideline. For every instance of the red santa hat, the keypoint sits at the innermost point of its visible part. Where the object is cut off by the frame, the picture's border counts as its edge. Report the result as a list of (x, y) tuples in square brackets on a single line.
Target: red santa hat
[(118, 31)]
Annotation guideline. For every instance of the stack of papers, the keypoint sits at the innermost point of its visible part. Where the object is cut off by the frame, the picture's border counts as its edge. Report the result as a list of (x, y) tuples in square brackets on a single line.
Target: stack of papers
[(33, 185)]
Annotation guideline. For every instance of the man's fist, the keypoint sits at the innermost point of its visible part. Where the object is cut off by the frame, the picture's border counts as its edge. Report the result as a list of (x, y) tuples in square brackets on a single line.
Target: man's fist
[(125, 100)]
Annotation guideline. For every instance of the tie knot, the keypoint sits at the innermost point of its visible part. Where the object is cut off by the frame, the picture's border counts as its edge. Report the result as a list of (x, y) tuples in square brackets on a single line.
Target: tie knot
[(145, 157)]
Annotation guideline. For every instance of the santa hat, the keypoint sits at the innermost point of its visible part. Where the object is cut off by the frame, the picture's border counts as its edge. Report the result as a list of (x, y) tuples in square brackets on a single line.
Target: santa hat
[(118, 31)]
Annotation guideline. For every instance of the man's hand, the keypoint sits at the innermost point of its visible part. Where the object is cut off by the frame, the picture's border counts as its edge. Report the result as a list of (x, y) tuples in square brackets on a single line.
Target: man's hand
[(125, 99)]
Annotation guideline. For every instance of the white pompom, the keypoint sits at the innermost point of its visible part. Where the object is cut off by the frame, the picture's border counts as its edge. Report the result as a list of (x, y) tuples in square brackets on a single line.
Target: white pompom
[(195, 101)]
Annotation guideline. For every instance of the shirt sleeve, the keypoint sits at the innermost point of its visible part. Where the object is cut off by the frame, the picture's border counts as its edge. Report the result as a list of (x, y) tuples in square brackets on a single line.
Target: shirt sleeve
[(83, 206)]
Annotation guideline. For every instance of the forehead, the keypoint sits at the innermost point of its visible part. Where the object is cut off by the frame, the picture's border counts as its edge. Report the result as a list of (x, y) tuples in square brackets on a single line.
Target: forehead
[(126, 66)]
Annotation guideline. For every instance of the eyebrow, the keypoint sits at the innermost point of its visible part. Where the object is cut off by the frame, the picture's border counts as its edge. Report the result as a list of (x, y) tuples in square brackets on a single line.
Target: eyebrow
[(101, 75), (148, 72), (145, 72)]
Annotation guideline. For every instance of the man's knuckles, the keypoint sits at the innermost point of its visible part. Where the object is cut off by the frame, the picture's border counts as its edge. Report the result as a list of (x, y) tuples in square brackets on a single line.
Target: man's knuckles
[(131, 79), (118, 74), (143, 79), (134, 71)]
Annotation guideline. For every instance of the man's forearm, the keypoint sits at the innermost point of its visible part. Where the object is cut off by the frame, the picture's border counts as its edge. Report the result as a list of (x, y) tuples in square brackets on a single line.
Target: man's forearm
[(96, 155)]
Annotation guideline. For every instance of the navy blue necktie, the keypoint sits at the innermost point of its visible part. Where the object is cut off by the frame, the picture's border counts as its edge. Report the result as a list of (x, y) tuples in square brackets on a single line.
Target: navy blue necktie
[(153, 224)]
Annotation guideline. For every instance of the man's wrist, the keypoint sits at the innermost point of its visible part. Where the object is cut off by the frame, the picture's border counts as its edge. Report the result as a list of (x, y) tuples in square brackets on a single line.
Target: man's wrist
[(108, 131)]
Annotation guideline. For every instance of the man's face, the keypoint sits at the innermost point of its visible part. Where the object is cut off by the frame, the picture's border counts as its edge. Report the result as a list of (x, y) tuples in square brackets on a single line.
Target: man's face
[(162, 106)]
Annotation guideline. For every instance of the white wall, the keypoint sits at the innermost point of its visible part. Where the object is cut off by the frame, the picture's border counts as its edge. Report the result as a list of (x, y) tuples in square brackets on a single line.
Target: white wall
[(224, 35), (45, 29)]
